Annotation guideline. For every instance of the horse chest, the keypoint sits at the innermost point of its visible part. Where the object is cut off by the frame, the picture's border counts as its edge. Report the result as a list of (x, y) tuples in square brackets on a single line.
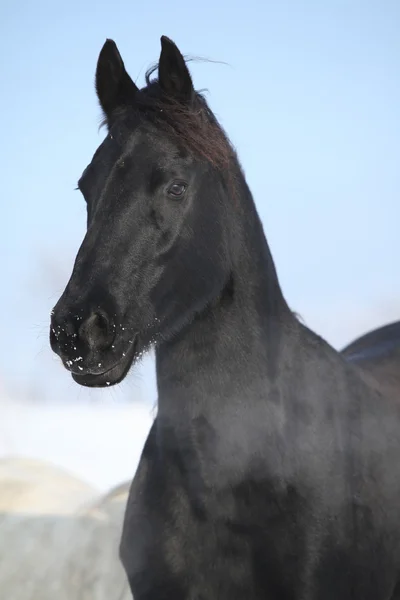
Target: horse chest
[(206, 541), (188, 538)]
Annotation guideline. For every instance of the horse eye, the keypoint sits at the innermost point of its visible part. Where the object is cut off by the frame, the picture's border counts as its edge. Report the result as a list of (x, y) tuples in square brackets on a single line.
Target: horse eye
[(176, 190)]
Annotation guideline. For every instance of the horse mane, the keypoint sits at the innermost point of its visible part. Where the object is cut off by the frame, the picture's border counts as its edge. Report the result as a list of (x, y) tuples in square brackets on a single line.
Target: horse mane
[(192, 126)]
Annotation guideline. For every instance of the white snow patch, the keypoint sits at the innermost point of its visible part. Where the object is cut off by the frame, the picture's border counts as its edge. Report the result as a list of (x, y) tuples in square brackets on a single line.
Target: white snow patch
[(101, 444)]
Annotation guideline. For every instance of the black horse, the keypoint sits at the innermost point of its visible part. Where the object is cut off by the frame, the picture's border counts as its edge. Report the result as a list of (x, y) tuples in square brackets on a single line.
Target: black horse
[(378, 353), (272, 469)]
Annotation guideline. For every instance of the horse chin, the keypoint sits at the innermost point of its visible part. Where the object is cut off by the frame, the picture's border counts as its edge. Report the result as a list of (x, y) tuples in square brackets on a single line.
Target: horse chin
[(112, 376)]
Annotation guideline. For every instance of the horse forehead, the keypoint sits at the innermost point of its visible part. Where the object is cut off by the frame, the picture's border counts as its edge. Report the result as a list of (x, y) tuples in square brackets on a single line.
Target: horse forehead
[(148, 142)]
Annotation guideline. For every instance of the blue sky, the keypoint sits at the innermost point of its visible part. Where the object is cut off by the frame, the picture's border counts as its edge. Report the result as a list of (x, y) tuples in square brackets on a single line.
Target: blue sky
[(311, 99)]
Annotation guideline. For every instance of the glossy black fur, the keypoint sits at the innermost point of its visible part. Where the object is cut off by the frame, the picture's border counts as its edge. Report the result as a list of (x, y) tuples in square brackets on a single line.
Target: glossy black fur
[(378, 353), (272, 470)]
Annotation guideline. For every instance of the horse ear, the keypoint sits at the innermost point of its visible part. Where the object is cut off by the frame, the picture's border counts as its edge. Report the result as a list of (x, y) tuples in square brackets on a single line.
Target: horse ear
[(173, 75), (114, 87)]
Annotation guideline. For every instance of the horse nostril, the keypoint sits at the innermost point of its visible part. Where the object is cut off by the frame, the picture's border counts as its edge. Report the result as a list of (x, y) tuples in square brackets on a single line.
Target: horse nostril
[(97, 331)]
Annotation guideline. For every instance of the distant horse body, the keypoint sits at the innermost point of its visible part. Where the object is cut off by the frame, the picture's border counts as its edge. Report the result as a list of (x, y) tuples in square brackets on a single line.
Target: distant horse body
[(31, 487), (272, 470), (378, 353), (58, 537)]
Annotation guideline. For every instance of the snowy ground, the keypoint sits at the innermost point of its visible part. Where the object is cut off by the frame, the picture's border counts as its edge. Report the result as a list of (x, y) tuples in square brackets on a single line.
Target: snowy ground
[(99, 443)]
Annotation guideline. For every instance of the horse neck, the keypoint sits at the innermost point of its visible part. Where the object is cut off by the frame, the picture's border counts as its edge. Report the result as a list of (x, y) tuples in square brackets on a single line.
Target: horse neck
[(235, 343)]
